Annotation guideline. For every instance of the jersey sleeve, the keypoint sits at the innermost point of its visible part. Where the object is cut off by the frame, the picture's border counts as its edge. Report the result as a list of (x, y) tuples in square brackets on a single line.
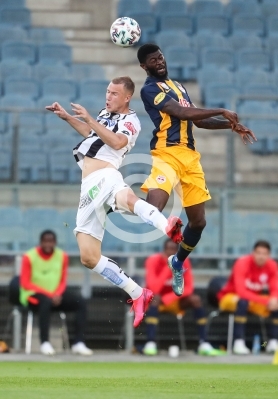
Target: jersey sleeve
[(153, 96), (130, 127)]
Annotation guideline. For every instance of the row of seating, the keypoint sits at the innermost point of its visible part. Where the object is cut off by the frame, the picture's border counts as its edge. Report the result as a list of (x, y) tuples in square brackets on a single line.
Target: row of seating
[(20, 230), (36, 35)]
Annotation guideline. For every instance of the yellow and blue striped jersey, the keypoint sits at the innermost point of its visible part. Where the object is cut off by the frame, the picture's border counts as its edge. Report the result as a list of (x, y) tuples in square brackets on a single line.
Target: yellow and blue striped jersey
[(169, 130)]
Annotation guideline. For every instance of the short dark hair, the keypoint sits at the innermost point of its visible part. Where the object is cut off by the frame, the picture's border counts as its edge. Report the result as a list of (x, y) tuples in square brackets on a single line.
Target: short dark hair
[(126, 81), (145, 50), (166, 243), (48, 232), (263, 244)]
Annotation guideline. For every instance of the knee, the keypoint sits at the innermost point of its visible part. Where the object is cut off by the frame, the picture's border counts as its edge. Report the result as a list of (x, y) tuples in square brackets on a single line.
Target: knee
[(242, 306), (89, 260), (156, 301), (195, 301), (198, 223), (44, 301)]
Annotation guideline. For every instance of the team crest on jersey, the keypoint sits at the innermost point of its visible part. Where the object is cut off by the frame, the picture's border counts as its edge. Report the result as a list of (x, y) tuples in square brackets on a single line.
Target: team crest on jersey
[(130, 127), (180, 87), (158, 98), (184, 103), (164, 86), (161, 179)]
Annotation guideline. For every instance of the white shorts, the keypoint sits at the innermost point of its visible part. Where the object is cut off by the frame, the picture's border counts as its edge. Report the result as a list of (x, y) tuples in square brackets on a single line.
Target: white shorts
[(98, 191)]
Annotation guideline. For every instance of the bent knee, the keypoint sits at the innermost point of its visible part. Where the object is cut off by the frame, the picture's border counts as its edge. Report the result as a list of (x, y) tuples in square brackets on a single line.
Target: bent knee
[(195, 301), (89, 260), (198, 224)]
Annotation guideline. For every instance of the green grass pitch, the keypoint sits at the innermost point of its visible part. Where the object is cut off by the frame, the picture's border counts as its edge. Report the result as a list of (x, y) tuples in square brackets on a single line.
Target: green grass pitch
[(137, 381)]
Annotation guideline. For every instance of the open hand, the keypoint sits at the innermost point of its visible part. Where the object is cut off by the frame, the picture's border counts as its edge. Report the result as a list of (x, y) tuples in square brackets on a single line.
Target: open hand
[(246, 134), (56, 300), (58, 110), (80, 112), (272, 304)]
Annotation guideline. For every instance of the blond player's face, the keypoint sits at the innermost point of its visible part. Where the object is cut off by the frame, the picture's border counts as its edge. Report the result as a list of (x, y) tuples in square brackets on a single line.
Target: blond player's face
[(261, 255), (117, 98)]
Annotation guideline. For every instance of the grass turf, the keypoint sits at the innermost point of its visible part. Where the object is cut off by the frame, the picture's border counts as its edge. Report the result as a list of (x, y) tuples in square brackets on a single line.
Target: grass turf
[(137, 381)]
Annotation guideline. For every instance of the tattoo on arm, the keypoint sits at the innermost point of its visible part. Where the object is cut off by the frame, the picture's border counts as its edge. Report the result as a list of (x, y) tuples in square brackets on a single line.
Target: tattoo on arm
[(213, 124)]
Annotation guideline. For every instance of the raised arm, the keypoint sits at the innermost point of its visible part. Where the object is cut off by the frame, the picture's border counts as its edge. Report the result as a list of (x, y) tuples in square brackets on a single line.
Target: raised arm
[(81, 127)]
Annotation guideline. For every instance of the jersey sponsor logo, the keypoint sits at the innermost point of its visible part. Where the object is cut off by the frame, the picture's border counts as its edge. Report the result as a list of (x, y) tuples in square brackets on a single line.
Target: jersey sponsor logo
[(161, 179), (158, 98), (180, 87), (253, 286), (107, 122), (130, 127), (164, 87), (125, 132), (184, 103)]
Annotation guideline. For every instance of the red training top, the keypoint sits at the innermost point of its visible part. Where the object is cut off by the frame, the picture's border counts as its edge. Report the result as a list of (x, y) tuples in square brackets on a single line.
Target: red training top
[(159, 278), (25, 277), (249, 280)]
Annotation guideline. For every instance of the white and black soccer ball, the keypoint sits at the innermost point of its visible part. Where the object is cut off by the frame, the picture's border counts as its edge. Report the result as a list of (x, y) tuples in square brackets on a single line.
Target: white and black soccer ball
[(125, 32)]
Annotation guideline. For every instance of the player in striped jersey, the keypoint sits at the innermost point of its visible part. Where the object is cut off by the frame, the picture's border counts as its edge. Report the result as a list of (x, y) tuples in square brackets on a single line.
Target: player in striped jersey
[(176, 163), (106, 141)]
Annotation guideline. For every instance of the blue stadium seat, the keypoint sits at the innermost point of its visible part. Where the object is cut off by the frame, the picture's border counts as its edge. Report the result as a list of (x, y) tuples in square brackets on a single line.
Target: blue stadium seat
[(15, 69), (266, 131), (213, 23), (12, 3), (5, 166), (42, 71), (10, 216), (165, 7), (58, 138), (220, 95), (249, 23), (204, 7), (22, 87), (93, 88), (244, 77), (87, 71), (92, 104), (148, 25), (253, 59), (125, 7), (242, 7), (40, 217), (272, 43), (17, 101), (182, 63), (272, 25), (32, 167), (3, 122), (275, 60), (177, 21), (16, 16), (212, 74), (13, 239), (218, 57), (138, 106), (52, 53), (202, 40), (45, 35), (269, 8), (8, 32), (32, 119), (59, 87), (19, 51), (249, 109), (29, 139), (63, 168), (166, 39), (53, 121), (240, 40), (260, 90), (48, 100)]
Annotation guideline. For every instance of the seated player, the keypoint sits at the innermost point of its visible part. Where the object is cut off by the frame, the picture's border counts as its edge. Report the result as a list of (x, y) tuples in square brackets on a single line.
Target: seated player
[(251, 276), (159, 279), (106, 141), (43, 288)]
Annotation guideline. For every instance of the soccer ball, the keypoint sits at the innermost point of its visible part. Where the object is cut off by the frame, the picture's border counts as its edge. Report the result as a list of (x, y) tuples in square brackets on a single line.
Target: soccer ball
[(125, 32)]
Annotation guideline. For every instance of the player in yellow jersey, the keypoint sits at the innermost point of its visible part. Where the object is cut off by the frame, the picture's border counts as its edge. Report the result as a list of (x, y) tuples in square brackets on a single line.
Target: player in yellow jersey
[(176, 163)]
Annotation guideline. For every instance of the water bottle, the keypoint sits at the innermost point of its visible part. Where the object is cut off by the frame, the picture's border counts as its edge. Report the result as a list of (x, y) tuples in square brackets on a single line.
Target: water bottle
[(256, 344)]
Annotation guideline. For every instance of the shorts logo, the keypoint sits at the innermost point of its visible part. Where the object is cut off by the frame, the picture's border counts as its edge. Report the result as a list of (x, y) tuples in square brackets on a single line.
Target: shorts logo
[(161, 179), (130, 127), (160, 97), (94, 191), (184, 103), (84, 201)]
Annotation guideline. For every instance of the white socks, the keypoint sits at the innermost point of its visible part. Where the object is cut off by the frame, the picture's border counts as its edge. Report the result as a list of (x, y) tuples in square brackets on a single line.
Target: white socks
[(151, 215), (110, 271)]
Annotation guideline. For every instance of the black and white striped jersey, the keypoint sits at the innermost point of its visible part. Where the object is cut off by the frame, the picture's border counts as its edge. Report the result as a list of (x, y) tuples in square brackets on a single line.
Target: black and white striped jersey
[(93, 147)]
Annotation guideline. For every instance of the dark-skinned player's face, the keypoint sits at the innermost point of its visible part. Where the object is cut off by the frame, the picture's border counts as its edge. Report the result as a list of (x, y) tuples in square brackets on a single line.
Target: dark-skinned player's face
[(155, 65)]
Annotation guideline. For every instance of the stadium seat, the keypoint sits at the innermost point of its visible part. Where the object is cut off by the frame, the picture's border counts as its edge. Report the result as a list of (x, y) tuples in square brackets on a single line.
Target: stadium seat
[(148, 25), (15, 69), (249, 109), (202, 40), (19, 51), (253, 59), (240, 40), (12, 3), (44, 35), (63, 168), (125, 7), (177, 21), (182, 63), (218, 58), (5, 166), (266, 133), (58, 138), (41, 217), (212, 74), (94, 88), (32, 119), (42, 71), (260, 90), (16, 16), (244, 77), (52, 53), (249, 24), (17, 101), (166, 39), (271, 43), (213, 24), (32, 167), (204, 7), (93, 104), (53, 121), (22, 87), (220, 95), (59, 87), (3, 122), (272, 25), (8, 32), (29, 139), (138, 106), (165, 7), (48, 100), (269, 8), (87, 71), (242, 7), (13, 238)]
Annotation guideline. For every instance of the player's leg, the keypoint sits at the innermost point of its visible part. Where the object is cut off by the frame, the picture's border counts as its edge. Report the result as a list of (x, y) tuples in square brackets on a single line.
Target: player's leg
[(240, 347), (272, 344), (127, 200), (157, 198), (152, 322), (108, 269)]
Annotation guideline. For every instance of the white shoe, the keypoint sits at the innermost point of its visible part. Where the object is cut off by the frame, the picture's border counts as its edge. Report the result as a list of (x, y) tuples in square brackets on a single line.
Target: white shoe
[(271, 346), (81, 349), (240, 348), (150, 348), (47, 348)]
